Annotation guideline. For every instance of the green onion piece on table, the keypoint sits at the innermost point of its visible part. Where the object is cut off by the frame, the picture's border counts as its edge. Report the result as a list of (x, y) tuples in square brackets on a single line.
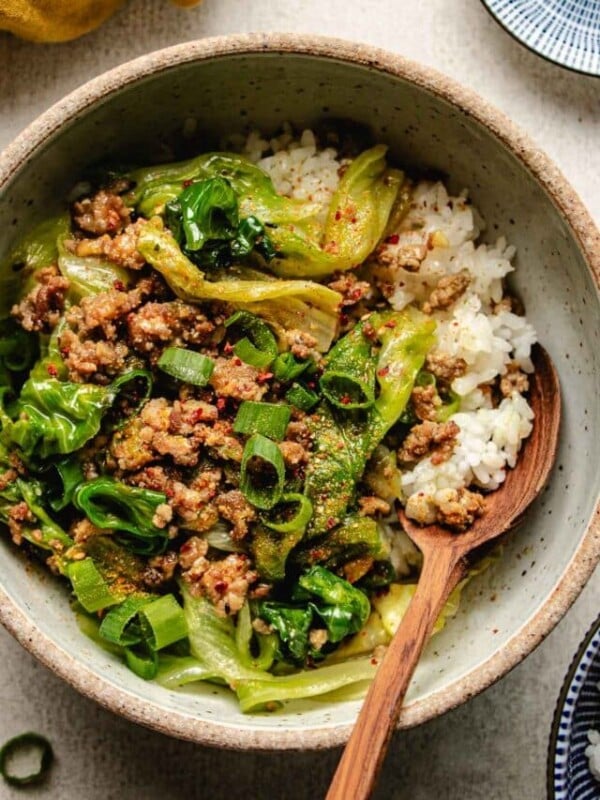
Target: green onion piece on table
[(259, 347), (89, 586), (26, 741), (301, 397), (269, 419), (186, 365), (262, 490)]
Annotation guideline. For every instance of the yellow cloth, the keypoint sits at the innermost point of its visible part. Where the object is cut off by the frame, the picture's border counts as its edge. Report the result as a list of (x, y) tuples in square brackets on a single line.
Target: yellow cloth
[(59, 20)]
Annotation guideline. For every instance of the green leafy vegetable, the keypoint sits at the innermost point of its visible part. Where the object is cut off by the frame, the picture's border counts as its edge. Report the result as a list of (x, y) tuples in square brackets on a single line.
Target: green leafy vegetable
[(262, 473), (62, 477), (130, 510), (88, 275), (205, 220), (301, 397), (344, 442), (270, 419), (356, 537), (284, 305), (357, 218)]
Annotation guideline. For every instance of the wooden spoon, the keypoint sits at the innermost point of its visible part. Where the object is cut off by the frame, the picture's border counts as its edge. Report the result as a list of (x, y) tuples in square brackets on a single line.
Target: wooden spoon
[(444, 565)]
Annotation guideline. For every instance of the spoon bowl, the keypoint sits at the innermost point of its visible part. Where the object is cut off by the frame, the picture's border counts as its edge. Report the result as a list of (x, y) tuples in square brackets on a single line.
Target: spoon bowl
[(445, 561)]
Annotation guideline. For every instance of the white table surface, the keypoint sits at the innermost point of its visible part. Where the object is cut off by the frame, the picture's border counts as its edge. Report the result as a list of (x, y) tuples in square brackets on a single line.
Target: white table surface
[(495, 746)]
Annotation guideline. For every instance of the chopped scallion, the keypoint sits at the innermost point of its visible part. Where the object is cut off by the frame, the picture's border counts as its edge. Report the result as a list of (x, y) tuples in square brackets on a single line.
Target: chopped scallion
[(163, 622), (259, 347), (142, 660), (119, 625), (25, 741), (301, 397), (262, 472), (287, 368), (186, 365), (345, 390), (299, 520), (270, 419), (89, 586)]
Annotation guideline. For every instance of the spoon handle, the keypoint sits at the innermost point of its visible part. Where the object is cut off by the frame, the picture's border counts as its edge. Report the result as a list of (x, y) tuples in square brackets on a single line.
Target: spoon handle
[(363, 756)]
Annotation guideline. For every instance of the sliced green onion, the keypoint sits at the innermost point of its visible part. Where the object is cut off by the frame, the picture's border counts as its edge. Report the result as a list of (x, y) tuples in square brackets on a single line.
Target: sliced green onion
[(259, 347), (425, 378), (301, 397), (300, 519), (142, 661), (286, 367), (163, 622), (186, 365), (263, 491), (23, 742), (270, 419), (89, 586), (448, 408), (118, 626)]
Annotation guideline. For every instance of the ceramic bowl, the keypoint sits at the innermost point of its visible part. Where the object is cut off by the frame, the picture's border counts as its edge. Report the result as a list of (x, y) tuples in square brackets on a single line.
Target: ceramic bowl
[(577, 712), (236, 83)]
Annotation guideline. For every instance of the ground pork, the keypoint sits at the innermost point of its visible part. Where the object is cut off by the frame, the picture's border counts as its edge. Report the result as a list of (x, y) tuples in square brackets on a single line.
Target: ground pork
[(401, 255), (371, 505), (105, 212), (234, 507), (162, 324), (89, 359), (82, 530), (302, 344), (233, 378), (435, 439), (160, 570), (459, 508), (425, 402), (225, 583), (448, 290), (351, 289), (298, 431), (20, 518), (514, 381), (101, 312), (42, 307), (445, 367), (120, 249), (318, 638), (7, 478), (293, 453)]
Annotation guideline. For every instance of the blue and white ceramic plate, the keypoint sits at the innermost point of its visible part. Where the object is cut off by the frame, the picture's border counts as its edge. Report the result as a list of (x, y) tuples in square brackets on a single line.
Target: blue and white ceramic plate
[(564, 31), (578, 710)]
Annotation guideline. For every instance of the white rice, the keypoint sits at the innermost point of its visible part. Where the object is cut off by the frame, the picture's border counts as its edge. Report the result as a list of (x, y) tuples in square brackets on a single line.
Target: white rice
[(474, 328)]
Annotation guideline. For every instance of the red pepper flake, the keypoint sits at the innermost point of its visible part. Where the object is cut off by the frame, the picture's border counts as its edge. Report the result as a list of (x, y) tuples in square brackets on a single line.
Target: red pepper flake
[(355, 294), (344, 319), (391, 323), (263, 377), (119, 286), (353, 220), (52, 371), (393, 239), (188, 182), (65, 351), (311, 385), (221, 587), (383, 372), (338, 214), (374, 662), (237, 362), (330, 523), (221, 403), (345, 399), (171, 493), (197, 415), (228, 348)]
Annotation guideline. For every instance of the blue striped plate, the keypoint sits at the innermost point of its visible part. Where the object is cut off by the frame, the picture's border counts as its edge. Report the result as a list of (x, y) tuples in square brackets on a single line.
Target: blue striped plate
[(578, 710), (564, 31)]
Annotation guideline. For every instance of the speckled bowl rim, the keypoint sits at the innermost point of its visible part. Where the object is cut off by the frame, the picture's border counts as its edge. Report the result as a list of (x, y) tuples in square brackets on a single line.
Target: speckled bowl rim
[(581, 565), (564, 716)]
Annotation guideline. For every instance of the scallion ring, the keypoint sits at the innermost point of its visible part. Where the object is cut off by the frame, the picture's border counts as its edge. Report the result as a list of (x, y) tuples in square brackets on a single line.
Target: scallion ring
[(142, 660), (21, 742), (262, 487), (163, 622), (345, 390), (259, 347), (299, 520), (187, 365), (270, 419), (287, 368), (89, 587), (301, 397), (119, 625)]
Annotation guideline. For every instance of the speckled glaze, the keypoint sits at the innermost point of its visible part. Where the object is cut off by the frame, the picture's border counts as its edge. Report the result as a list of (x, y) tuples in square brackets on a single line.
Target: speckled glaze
[(232, 84)]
